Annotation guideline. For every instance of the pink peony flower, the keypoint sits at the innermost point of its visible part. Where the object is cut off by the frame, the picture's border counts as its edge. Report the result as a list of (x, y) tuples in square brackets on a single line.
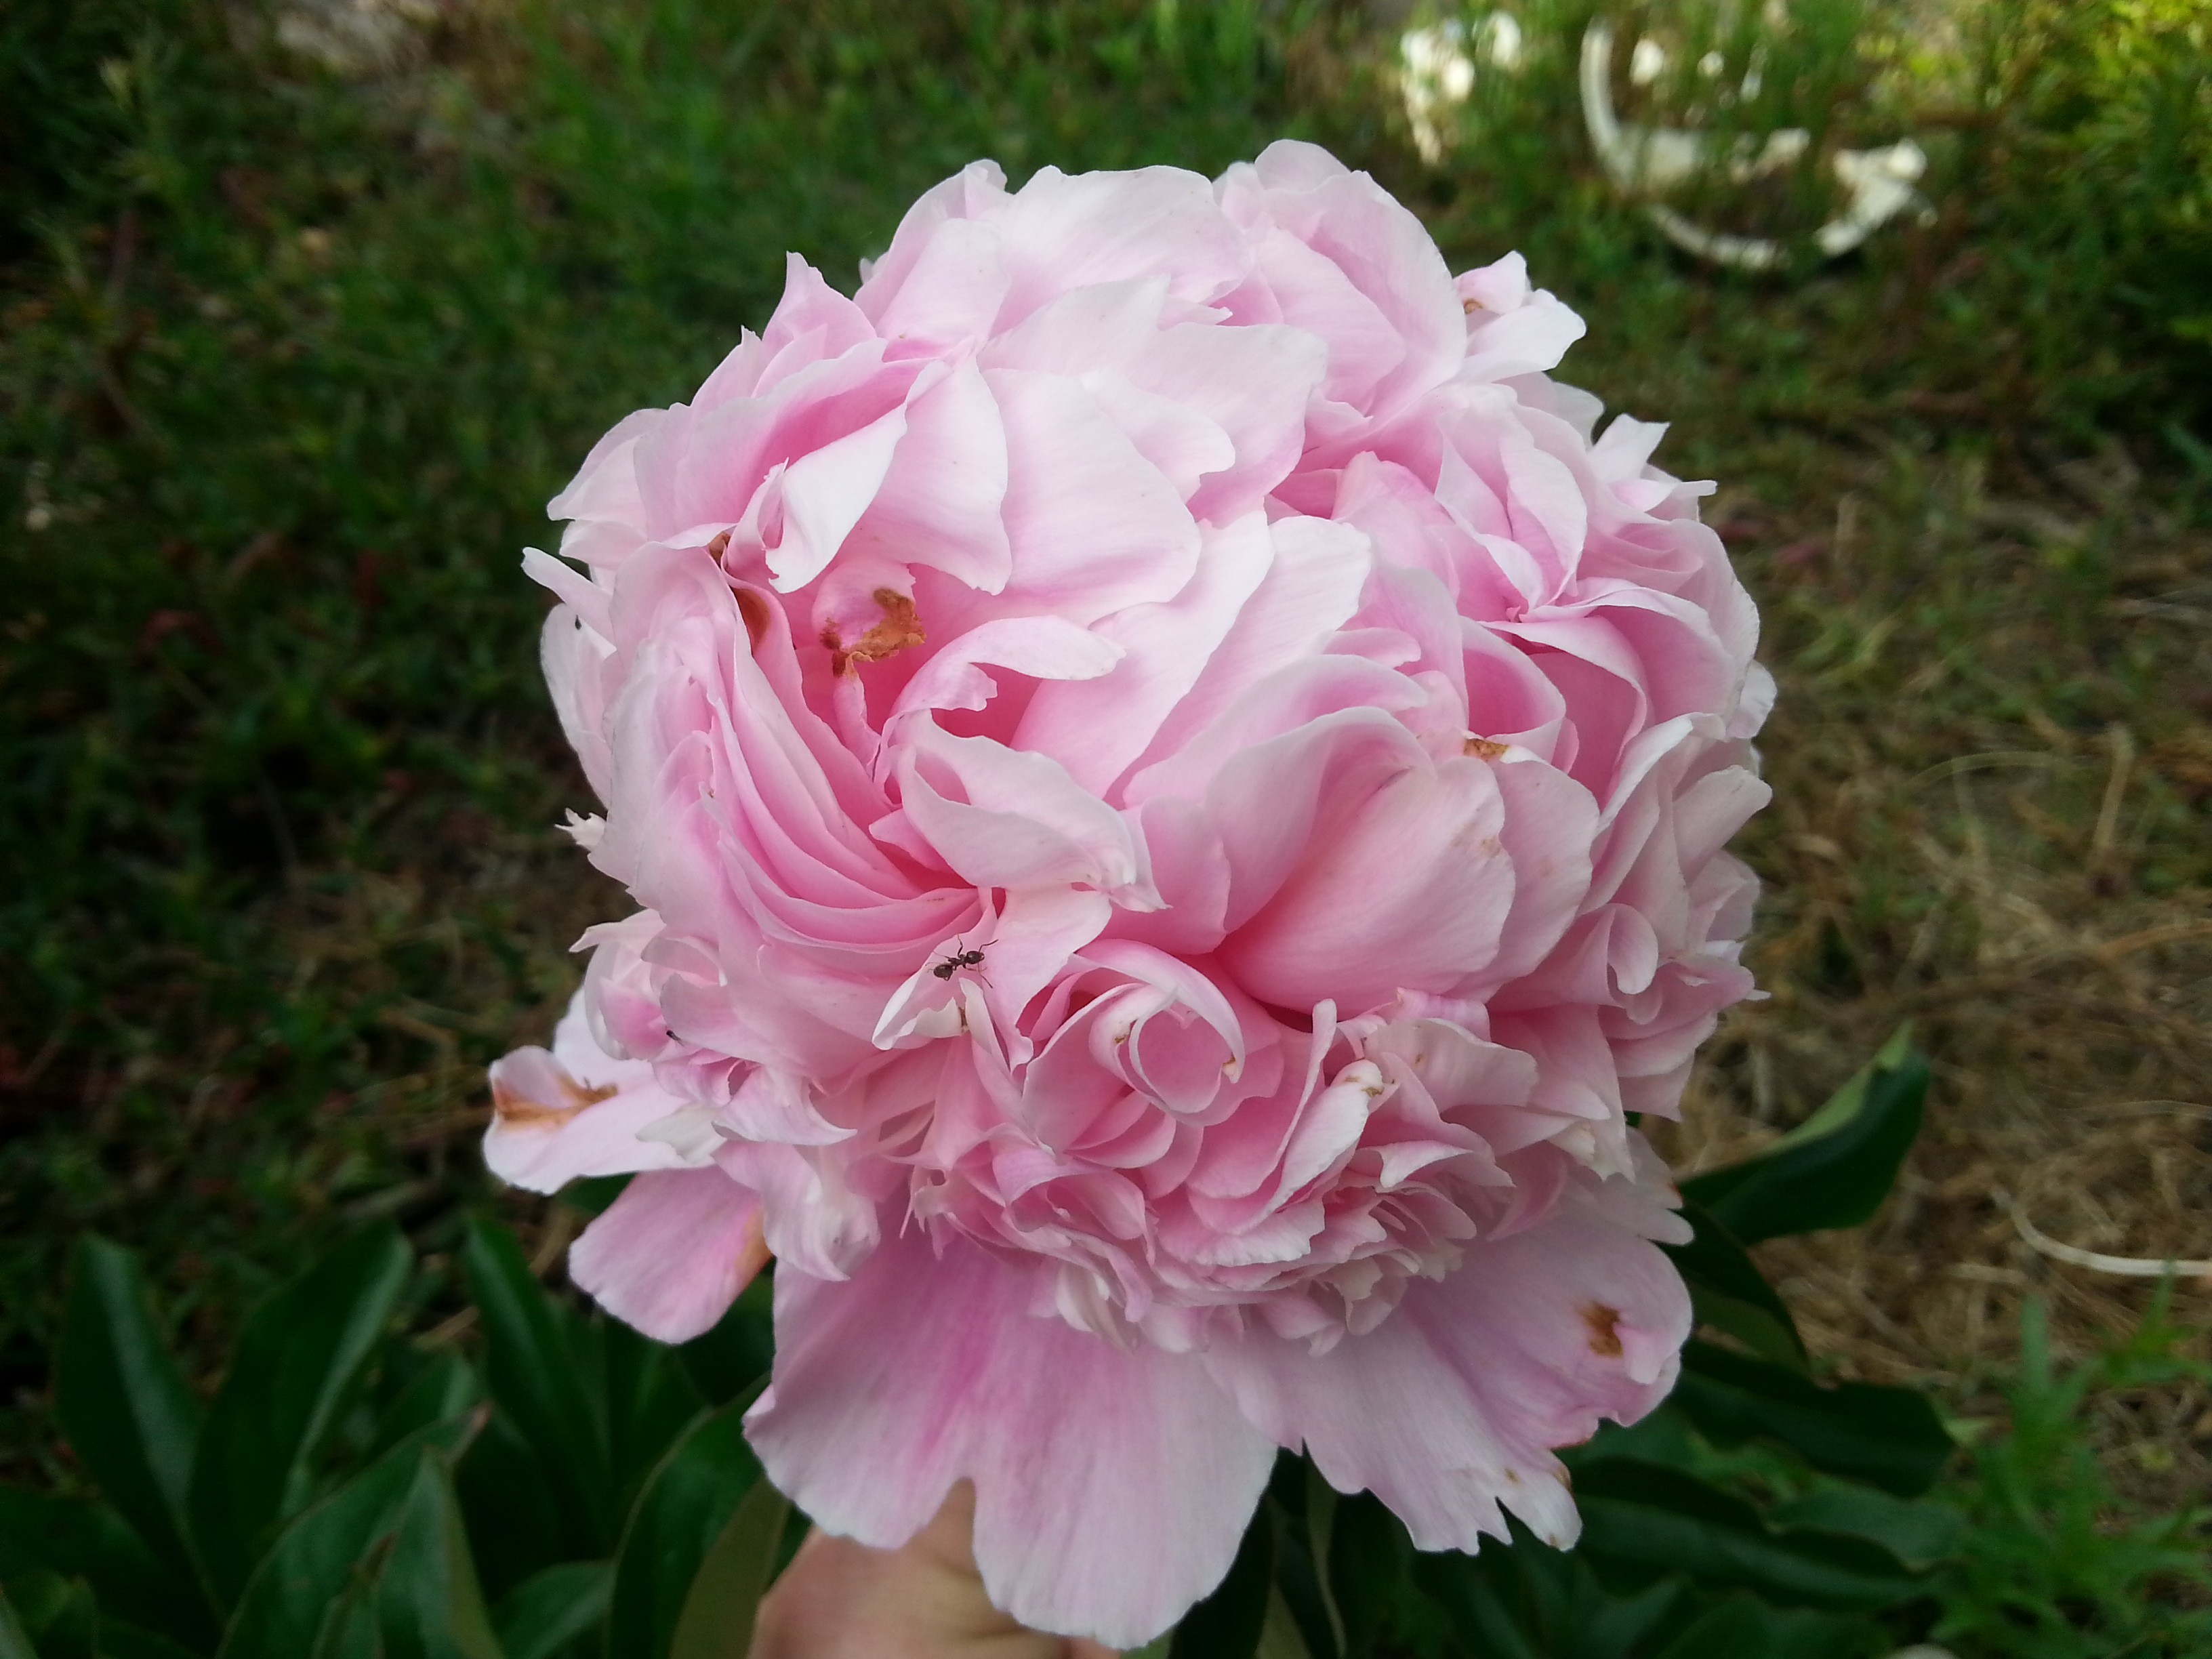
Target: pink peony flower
[(1177, 794)]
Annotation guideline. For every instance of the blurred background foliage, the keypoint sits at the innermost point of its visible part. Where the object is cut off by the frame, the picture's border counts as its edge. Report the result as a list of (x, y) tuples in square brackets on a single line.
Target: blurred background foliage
[(305, 307)]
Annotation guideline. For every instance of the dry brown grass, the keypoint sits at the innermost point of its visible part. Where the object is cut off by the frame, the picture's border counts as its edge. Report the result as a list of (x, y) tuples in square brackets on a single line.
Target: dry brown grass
[(1990, 760)]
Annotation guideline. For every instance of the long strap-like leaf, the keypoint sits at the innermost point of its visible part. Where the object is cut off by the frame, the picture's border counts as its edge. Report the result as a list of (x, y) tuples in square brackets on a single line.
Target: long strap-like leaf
[(129, 1418), (724, 1602)]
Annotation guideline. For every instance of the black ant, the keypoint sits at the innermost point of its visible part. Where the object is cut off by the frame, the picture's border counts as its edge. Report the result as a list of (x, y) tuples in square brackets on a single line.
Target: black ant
[(952, 964)]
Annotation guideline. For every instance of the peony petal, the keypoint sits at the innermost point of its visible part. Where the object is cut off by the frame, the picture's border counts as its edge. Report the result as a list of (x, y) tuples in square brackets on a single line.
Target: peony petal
[(1098, 727), (939, 502), (671, 1252), (977, 192), (575, 1112), (574, 659), (1310, 588), (1095, 525), (1170, 768), (814, 1222), (1112, 1486), (1405, 885), (1005, 817), (825, 493), (955, 286), (1451, 1407), (1064, 233)]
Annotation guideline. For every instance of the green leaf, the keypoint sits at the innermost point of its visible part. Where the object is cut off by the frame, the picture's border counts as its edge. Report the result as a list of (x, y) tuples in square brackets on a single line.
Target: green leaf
[(1279, 1635), (1890, 1437), (1654, 1520), (1920, 1534), (59, 1616), (76, 1537), (593, 1194), (1368, 1556), (1228, 1624), (1729, 1293), (1741, 1627), (679, 1518), (531, 1351), (513, 1513), (122, 1400), (1321, 1505), (349, 1629), (429, 1605), (723, 1603), (737, 1353), (1298, 1498), (119, 1640), (650, 1400), (14, 1643), (320, 1552), (1478, 1612), (1834, 1169), (1738, 1626), (299, 1360), (1528, 1601), (551, 1611), (445, 1388)]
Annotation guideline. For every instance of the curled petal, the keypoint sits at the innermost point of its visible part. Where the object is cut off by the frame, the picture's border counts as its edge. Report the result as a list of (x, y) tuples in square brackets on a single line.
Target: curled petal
[(575, 1111)]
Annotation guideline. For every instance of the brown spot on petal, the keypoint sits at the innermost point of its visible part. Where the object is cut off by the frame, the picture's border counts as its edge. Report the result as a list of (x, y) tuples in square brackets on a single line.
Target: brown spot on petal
[(899, 629), (512, 1108), (720, 545), (1468, 306), (754, 610), (1483, 749), (1604, 1324)]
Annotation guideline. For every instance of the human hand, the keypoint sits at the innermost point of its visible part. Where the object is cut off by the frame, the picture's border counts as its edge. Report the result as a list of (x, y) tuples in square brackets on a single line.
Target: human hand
[(839, 1600)]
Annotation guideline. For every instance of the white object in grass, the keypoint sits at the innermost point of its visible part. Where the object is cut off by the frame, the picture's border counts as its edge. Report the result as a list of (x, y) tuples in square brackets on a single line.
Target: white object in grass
[(1436, 68), (2129, 1266), (1644, 161)]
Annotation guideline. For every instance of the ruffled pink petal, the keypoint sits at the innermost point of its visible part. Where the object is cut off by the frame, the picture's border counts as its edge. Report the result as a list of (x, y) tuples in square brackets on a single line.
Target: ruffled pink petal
[(939, 502), (1098, 727), (671, 1254), (1510, 329), (1408, 889), (575, 660), (575, 1111), (814, 1222), (1095, 525), (603, 502), (1450, 1409), (1112, 1486), (976, 192), (1007, 818), (1065, 233), (1161, 754)]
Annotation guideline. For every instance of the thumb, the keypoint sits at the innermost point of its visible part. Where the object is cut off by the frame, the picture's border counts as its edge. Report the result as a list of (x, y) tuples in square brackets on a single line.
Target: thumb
[(842, 1600)]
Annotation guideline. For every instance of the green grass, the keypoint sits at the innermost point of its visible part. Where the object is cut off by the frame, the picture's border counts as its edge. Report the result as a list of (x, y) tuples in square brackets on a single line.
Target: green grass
[(2053, 1563), (289, 360)]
